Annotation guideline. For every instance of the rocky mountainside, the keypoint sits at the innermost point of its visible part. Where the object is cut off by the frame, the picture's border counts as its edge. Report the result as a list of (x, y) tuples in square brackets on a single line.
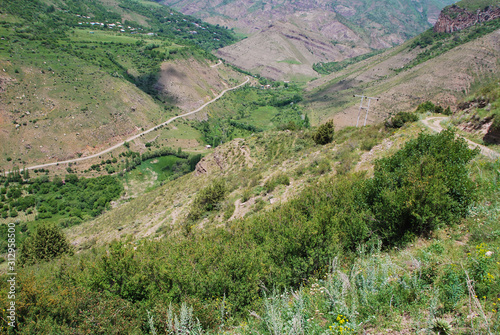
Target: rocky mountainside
[(443, 79), (287, 37), (456, 18)]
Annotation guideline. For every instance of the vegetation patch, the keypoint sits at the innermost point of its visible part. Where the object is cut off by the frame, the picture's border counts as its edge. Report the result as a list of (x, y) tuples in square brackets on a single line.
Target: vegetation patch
[(263, 109), (330, 67), (433, 44)]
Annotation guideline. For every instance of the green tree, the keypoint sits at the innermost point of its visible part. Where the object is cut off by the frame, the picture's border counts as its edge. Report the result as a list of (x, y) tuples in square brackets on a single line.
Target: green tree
[(422, 186), (208, 198), (324, 133), (48, 242)]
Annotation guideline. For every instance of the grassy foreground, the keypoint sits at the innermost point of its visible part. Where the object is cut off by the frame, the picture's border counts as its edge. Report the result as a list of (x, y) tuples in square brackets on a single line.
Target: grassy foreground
[(413, 248)]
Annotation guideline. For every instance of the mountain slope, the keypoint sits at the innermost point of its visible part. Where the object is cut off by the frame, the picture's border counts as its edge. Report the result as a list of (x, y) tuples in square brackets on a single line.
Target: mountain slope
[(79, 76), (442, 71), (301, 33)]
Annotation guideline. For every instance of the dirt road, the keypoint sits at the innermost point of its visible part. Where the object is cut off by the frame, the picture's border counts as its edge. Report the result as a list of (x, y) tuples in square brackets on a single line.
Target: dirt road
[(434, 123), (138, 135)]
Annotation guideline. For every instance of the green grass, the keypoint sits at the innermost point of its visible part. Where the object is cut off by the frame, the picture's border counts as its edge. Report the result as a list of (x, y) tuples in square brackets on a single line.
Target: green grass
[(183, 130), (9, 18), (262, 117), (290, 61), (84, 35), (474, 5), (159, 168), (370, 289)]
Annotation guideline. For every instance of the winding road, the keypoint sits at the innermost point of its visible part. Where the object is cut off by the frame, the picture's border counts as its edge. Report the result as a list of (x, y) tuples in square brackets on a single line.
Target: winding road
[(140, 134), (434, 123)]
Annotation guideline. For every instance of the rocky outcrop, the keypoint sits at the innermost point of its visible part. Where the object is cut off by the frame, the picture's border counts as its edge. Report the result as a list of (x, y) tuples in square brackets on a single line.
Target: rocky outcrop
[(455, 18), (492, 136)]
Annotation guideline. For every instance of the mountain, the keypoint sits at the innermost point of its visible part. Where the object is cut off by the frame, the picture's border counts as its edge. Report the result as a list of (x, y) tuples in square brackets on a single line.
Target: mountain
[(80, 76), (287, 37), (441, 67), (466, 14), (280, 227)]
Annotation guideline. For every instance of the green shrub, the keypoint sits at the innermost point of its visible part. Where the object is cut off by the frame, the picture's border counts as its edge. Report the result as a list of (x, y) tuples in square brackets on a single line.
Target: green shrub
[(324, 133), (247, 193), (280, 179), (48, 242), (422, 186), (208, 198), (428, 106), (447, 111), (398, 120)]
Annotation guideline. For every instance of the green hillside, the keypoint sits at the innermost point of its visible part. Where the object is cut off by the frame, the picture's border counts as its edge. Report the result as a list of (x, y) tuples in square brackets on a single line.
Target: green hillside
[(242, 218), (89, 72), (474, 5), (317, 263)]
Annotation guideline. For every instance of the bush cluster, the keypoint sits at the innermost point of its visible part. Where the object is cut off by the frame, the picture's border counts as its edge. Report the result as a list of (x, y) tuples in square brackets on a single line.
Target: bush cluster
[(230, 268), (324, 133), (398, 120), (48, 242), (208, 198)]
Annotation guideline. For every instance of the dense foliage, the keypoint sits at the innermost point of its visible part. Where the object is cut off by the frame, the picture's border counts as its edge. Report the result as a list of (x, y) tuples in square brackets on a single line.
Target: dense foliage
[(47, 243), (324, 133), (46, 22), (74, 197), (263, 109), (231, 267), (208, 198), (398, 120), (422, 186), (63, 202), (330, 67)]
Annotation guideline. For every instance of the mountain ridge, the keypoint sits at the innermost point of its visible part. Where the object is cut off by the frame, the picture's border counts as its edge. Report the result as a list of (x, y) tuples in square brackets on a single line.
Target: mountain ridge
[(455, 18), (349, 29)]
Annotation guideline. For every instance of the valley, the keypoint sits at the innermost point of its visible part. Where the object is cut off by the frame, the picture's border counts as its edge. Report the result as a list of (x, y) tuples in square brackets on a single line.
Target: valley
[(197, 169), (285, 38)]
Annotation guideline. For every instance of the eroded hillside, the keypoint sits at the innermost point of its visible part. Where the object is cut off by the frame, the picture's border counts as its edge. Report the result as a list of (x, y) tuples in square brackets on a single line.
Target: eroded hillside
[(402, 78), (287, 37)]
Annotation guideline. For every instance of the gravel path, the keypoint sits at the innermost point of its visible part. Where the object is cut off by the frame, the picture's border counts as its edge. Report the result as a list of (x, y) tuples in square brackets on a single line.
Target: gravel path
[(434, 123)]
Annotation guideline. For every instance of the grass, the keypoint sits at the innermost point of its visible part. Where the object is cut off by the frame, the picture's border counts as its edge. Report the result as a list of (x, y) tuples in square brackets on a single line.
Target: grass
[(83, 35), (290, 61), (160, 167), (370, 291), (183, 130), (474, 5), (262, 117)]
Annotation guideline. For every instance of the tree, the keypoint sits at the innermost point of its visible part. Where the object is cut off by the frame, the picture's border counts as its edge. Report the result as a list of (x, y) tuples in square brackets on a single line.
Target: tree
[(48, 242), (324, 133), (422, 186), (306, 123)]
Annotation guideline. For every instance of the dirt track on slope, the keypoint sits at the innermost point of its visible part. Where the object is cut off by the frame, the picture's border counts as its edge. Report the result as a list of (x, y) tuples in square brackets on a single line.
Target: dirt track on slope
[(434, 123), (140, 134)]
